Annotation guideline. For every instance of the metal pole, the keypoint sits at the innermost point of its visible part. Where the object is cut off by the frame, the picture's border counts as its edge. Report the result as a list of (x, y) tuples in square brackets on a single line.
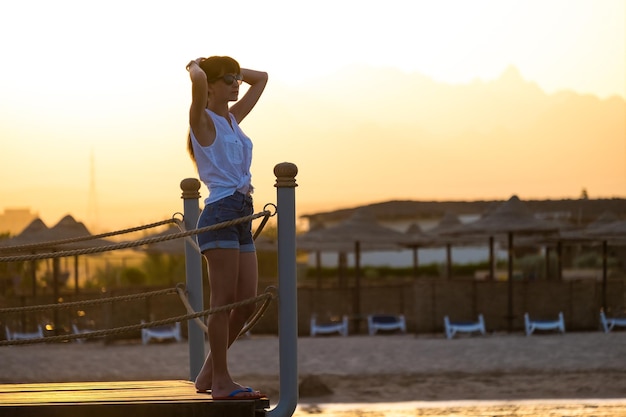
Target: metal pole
[(287, 290), (193, 272), (492, 260), (559, 260), (448, 261), (547, 272), (416, 262), (605, 263), (356, 306), (510, 282), (76, 274), (56, 267)]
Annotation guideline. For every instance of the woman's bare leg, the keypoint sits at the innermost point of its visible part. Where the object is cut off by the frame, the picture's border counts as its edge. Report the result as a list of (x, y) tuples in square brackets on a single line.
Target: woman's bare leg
[(245, 288)]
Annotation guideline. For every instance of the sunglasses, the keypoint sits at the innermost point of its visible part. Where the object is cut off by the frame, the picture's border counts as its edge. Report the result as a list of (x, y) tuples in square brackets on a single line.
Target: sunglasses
[(229, 79)]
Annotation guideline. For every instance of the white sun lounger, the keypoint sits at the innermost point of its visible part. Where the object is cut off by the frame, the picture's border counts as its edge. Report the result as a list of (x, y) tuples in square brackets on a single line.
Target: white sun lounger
[(340, 327), (23, 335), (385, 322), (532, 325), (77, 330), (161, 333), (452, 328), (608, 323)]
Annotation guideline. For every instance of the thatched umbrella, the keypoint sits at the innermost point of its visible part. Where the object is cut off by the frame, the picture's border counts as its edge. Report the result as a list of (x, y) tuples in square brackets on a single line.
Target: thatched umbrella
[(449, 223), (38, 237), (69, 228), (361, 232), (604, 230), (510, 218), (608, 230), (33, 233), (361, 226), (416, 238), (594, 231), (449, 231), (605, 222), (66, 229), (601, 229), (29, 235)]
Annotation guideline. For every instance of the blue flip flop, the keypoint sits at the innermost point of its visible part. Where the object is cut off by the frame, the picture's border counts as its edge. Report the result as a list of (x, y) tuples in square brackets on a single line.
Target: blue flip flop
[(234, 395)]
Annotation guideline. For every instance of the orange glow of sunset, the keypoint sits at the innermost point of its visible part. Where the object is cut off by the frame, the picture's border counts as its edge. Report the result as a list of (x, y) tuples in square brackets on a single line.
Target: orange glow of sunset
[(373, 101)]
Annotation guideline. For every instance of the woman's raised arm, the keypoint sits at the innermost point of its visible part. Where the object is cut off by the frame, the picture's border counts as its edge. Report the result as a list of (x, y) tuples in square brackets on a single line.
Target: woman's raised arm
[(257, 81)]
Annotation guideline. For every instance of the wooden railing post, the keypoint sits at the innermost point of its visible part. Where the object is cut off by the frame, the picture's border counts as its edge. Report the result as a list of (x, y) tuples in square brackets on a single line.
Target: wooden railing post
[(287, 290), (193, 273)]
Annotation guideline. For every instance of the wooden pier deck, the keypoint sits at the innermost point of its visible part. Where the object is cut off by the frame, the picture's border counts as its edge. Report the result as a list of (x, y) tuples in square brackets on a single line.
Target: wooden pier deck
[(120, 398)]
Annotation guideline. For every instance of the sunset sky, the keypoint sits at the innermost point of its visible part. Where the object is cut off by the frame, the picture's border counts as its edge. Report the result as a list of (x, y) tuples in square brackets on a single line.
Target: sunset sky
[(102, 85)]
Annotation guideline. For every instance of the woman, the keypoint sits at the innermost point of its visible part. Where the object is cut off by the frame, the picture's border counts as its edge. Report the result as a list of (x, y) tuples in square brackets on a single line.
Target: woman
[(223, 154)]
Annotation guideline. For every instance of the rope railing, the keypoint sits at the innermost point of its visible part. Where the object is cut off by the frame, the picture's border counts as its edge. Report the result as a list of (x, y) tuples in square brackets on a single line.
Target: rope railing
[(250, 323), (268, 296), (59, 242), (181, 226), (264, 221), (83, 303), (257, 316), (190, 310), (180, 288), (285, 183), (134, 243)]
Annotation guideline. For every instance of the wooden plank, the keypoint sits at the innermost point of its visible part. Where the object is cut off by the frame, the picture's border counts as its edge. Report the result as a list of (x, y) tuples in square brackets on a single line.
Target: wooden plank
[(136, 398), (73, 386)]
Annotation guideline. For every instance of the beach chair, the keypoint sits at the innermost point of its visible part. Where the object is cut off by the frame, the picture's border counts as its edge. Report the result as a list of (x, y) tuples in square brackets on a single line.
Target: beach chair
[(385, 322), (452, 328), (24, 335), (532, 325), (77, 330), (329, 327), (608, 323), (161, 333)]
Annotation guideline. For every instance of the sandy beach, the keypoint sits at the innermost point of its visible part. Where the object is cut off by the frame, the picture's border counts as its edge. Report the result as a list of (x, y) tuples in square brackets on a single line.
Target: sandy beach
[(361, 369)]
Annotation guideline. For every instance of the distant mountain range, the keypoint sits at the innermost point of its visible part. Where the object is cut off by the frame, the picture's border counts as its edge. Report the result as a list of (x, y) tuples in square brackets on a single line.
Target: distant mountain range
[(362, 134), (576, 212), (363, 96)]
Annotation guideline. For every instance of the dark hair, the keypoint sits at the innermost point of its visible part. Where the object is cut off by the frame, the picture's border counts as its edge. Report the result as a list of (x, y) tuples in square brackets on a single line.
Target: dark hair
[(214, 67)]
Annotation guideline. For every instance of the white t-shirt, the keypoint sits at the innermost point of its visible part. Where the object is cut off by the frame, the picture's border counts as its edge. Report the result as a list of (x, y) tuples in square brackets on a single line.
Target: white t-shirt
[(224, 167)]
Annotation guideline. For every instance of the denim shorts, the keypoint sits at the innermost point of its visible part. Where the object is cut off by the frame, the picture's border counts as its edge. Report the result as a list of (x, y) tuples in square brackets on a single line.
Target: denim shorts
[(237, 236)]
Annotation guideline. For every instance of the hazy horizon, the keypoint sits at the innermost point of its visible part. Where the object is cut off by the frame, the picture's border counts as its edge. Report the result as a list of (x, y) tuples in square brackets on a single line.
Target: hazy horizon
[(477, 126), (449, 100), (511, 108)]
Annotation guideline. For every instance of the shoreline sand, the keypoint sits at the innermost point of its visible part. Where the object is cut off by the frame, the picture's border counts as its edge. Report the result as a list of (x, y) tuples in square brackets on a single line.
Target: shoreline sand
[(361, 369)]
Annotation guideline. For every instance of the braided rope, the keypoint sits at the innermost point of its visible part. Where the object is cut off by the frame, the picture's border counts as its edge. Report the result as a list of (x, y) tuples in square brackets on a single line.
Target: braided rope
[(132, 244), (183, 297), (249, 325), (72, 304), (265, 219), (179, 288), (188, 239), (251, 322), (84, 238), (134, 327)]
